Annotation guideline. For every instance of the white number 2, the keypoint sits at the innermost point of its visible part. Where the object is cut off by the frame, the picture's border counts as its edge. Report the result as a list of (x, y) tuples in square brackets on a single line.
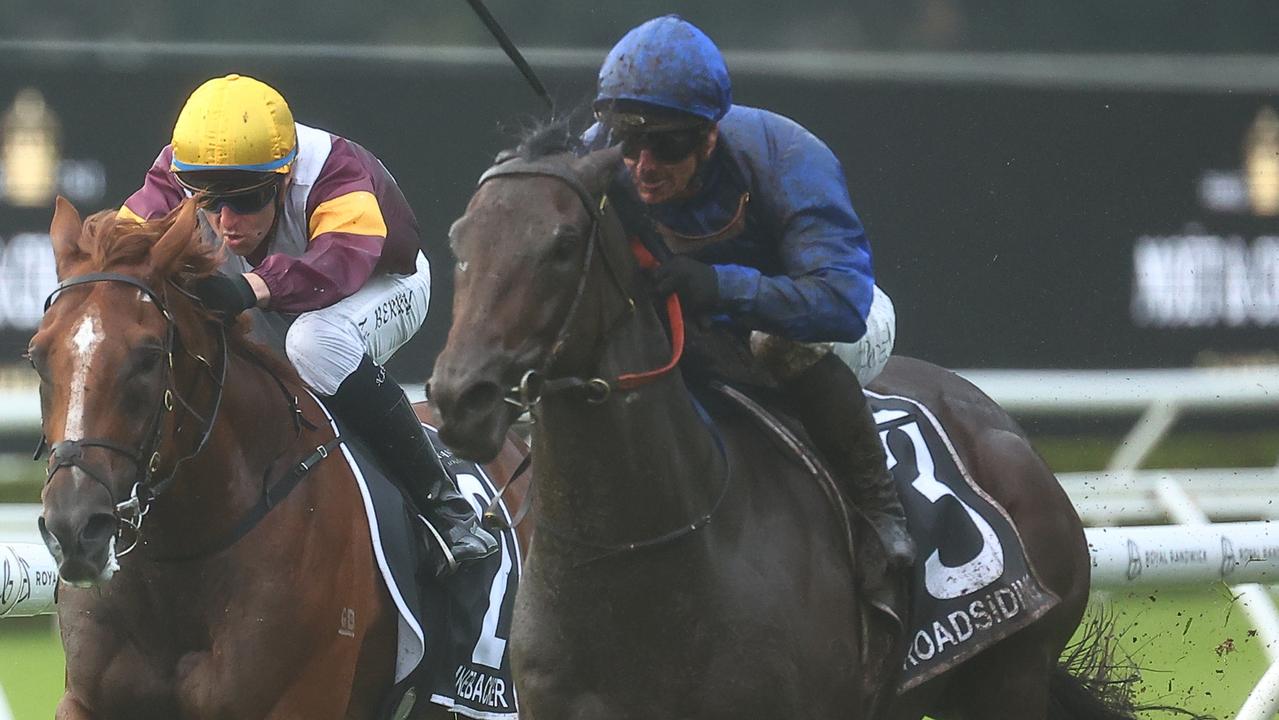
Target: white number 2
[(490, 648)]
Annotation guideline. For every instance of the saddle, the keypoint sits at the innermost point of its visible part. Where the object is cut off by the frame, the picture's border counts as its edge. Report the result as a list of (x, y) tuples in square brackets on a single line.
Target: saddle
[(449, 652), (971, 586)]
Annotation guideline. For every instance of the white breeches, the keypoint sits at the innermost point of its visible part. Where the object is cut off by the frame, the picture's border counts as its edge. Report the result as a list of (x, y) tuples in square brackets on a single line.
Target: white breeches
[(788, 359), (868, 356), (327, 345)]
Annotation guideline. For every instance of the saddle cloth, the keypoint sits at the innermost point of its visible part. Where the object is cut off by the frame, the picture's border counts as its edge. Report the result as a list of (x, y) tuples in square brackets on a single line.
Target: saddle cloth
[(452, 631), (972, 585)]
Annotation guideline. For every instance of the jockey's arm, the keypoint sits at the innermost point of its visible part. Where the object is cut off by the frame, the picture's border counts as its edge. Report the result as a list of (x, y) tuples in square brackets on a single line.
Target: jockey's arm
[(346, 231), (160, 192), (347, 235), (826, 292), (260, 290), (334, 266)]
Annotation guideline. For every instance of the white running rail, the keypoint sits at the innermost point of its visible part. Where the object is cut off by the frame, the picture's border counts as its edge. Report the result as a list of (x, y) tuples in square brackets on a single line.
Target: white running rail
[(1193, 552)]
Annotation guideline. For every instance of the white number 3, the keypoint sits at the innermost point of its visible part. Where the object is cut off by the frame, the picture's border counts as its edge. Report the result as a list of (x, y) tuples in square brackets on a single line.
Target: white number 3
[(945, 582)]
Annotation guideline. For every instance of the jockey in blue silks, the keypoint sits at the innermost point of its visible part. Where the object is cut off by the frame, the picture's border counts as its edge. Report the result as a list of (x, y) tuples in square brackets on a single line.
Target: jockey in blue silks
[(764, 236)]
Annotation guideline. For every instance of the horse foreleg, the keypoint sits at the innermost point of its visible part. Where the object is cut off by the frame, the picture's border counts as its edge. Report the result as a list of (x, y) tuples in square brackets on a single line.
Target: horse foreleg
[(318, 689)]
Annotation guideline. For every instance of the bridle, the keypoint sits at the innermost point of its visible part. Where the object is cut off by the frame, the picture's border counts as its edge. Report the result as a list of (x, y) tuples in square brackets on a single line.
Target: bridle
[(146, 458), (534, 383)]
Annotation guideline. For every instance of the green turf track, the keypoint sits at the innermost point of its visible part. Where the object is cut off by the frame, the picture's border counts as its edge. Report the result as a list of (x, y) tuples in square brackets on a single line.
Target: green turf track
[(1194, 647), (30, 667)]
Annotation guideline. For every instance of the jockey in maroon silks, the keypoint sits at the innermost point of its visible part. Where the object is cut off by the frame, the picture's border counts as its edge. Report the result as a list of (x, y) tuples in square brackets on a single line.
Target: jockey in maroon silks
[(321, 239)]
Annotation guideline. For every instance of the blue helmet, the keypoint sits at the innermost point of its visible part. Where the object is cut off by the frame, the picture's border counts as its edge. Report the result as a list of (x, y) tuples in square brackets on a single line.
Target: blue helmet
[(669, 63)]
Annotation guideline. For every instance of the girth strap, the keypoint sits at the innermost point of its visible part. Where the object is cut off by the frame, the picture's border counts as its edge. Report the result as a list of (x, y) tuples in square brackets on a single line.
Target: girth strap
[(272, 495)]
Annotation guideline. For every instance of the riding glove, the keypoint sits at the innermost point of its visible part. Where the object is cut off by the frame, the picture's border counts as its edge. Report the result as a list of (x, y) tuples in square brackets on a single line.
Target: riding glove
[(695, 282), (225, 296)]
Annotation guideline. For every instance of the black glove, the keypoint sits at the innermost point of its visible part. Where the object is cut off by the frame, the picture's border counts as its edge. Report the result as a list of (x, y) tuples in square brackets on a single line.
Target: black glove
[(225, 296), (695, 282)]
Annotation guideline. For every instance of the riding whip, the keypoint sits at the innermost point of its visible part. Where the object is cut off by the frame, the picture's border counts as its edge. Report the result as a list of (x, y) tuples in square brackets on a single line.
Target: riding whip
[(512, 52)]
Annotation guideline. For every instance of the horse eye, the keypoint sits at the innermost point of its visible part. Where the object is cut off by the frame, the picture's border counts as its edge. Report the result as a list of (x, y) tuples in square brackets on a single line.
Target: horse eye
[(147, 359), (565, 247)]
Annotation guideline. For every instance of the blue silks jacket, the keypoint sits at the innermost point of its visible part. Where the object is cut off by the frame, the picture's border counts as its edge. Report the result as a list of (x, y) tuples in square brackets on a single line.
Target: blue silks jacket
[(800, 265)]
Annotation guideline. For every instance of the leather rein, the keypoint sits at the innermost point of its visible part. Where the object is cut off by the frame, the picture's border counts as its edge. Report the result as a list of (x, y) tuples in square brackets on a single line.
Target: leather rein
[(534, 383), (150, 484), (146, 458)]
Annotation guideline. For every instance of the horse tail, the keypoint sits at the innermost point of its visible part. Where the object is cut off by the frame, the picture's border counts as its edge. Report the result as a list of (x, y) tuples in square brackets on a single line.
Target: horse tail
[(1092, 682), (1078, 697)]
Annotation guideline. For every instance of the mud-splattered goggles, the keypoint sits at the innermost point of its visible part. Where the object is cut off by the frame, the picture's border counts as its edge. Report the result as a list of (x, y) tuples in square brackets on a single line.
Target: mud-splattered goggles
[(667, 146), (245, 194)]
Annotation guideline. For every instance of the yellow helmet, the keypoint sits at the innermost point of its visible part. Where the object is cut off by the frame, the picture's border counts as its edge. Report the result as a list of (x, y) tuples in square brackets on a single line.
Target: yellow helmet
[(235, 123)]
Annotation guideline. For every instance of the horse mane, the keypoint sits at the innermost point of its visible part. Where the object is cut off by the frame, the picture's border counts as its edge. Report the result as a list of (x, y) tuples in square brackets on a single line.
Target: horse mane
[(553, 136), (109, 243)]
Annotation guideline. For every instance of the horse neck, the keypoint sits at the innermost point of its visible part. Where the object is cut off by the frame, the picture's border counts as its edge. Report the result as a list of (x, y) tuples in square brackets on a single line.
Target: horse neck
[(213, 489), (636, 466)]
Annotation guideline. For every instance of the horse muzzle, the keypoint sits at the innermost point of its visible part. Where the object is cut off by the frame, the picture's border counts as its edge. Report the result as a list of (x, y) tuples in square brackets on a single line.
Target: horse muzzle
[(82, 543), (474, 415)]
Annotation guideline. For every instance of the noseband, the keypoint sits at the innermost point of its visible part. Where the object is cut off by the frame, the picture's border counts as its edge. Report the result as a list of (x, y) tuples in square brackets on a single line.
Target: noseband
[(534, 383), (146, 458)]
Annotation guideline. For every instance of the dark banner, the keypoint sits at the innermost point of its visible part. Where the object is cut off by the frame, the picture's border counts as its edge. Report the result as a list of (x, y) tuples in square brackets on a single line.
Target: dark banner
[(1013, 227)]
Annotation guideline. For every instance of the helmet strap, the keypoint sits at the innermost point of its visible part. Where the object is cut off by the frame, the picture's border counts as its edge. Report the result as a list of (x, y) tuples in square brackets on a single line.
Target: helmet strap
[(698, 181), (279, 210)]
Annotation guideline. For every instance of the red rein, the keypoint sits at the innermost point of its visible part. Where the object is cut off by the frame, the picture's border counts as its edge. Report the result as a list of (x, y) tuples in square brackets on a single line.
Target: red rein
[(629, 381)]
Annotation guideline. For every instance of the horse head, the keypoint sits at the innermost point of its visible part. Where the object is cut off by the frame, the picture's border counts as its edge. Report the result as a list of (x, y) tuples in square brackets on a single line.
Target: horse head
[(119, 348), (535, 258)]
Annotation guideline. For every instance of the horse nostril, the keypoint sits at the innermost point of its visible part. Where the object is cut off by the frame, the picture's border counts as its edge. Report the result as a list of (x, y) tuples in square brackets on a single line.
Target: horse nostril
[(479, 397), (51, 540), (98, 530)]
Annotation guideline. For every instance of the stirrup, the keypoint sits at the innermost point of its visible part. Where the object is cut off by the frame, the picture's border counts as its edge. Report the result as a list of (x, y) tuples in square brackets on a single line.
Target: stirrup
[(484, 549), (446, 547), (899, 546)]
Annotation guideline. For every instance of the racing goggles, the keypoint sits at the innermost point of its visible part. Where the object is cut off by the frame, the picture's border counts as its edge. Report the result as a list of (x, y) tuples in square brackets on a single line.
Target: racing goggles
[(243, 193), (243, 203), (666, 146)]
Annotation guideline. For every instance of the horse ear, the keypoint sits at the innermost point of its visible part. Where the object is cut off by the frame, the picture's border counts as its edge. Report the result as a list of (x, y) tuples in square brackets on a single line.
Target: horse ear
[(65, 232), (596, 169), (171, 246)]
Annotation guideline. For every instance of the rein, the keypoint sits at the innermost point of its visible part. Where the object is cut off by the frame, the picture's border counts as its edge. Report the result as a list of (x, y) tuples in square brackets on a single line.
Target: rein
[(605, 550), (69, 453), (534, 383), (130, 512)]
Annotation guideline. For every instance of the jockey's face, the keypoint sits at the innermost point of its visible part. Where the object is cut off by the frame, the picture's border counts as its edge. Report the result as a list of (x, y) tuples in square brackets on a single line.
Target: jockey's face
[(240, 228), (660, 179)]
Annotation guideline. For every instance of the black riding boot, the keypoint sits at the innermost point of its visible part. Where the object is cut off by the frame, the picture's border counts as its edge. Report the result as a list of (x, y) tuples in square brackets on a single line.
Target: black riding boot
[(376, 409), (833, 409)]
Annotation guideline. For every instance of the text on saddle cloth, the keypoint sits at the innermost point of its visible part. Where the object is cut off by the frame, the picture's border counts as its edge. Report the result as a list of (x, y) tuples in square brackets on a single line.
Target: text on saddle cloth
[(452, 644), (972, 585)]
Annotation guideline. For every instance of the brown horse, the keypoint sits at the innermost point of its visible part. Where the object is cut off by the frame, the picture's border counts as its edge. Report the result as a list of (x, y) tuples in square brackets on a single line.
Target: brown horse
[(685, 568), (167, 430)]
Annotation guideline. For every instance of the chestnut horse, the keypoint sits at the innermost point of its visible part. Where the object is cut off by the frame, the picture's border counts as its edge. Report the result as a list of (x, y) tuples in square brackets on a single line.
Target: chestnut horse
[(683, 567), (167, 430)]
